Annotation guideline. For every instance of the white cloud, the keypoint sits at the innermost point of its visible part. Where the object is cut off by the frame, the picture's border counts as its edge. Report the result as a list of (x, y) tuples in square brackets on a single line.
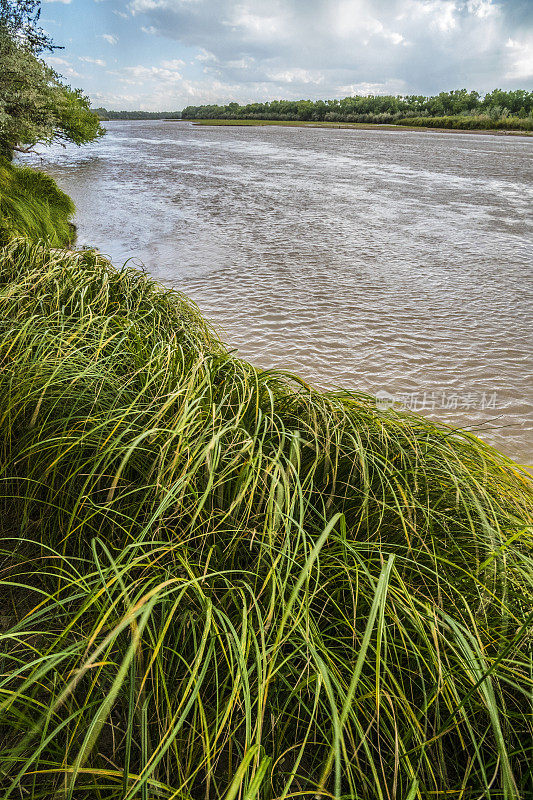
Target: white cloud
[(147, 5), (109, 38), (362, 40), (395, 38), (297, 76), (521, 59), (253, 49), (390, 87), (175, 63), (62, 66), (205, 55), (113, 99), (98, 61), (59, 62), (258, 26), (168, 73), (246, 62), (65, 2), (482, 8), (440, 16)]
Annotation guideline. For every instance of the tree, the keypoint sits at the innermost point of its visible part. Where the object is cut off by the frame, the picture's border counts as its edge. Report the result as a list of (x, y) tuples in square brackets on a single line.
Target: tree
[(35, 106), (19, 19)]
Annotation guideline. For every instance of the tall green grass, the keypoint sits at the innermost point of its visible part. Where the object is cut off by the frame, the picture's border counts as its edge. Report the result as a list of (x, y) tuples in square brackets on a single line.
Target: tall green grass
[(218, 582), (33, 206), (467, 123)]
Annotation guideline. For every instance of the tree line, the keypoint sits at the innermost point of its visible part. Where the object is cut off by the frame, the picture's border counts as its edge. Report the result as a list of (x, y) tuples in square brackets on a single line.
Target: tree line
[(496, 104), (104, 114)]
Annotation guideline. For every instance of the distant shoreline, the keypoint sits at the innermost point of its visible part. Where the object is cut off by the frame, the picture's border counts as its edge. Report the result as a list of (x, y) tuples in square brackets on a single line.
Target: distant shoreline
[(236, 123)]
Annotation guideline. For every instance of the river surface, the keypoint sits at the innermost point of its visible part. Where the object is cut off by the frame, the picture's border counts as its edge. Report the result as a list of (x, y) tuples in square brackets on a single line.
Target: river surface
[(380, 261)]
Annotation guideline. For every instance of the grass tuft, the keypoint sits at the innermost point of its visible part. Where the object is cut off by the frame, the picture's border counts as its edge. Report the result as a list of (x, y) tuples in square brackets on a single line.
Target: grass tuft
[(33, 206), (221, 583)]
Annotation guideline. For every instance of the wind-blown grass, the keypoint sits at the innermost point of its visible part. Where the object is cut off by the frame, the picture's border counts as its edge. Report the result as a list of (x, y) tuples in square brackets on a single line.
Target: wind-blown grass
[(33, 206), (221, 583), (471, 123)]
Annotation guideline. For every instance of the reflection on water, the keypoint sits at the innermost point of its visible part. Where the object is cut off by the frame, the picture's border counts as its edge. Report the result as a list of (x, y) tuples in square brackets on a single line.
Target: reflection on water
[(377, 260)]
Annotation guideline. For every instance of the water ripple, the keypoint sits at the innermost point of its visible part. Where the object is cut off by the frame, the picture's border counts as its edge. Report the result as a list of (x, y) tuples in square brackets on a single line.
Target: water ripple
[(370, 259)]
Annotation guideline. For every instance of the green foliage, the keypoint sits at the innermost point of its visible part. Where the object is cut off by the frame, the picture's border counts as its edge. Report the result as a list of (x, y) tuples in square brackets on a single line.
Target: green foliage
[(518, 102), (104, 114), (374, 108), (35, 107), (20, 18), (220, 583), (470, 123), (32, 205)]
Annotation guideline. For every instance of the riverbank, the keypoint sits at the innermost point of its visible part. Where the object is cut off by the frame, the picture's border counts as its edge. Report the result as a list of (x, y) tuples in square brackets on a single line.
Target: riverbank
[(217, 576), (348, 125)]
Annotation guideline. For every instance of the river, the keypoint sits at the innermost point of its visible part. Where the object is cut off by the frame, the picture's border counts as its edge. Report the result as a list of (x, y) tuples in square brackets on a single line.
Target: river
[(381, 261)]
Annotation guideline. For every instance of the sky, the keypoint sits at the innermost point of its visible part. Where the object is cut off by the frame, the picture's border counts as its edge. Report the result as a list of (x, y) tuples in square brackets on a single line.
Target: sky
[(160, 55)]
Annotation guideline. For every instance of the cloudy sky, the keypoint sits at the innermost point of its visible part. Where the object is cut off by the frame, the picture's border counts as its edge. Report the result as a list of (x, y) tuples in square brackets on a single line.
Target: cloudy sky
[(166, 54)]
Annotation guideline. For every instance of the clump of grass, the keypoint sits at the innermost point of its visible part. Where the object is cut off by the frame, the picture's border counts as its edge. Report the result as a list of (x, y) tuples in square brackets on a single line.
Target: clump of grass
[(33, 206), (468, 123), (221, 583)]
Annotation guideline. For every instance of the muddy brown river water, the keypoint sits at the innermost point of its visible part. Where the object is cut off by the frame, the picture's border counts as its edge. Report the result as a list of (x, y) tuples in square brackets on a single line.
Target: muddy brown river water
[(398, 263)]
